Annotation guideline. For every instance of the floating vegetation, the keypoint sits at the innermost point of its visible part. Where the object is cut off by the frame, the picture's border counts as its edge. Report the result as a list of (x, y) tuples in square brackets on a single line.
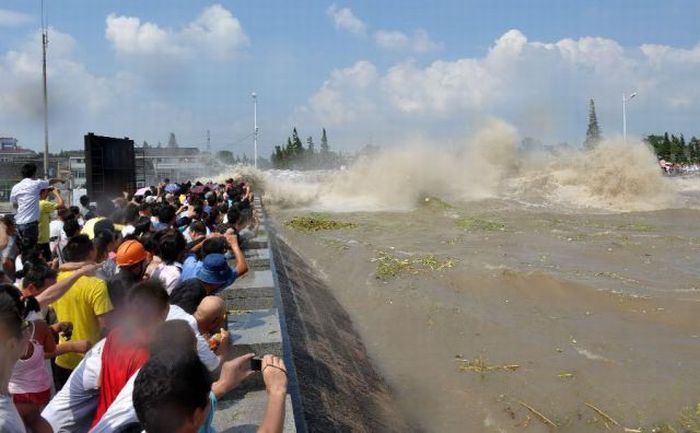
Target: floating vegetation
[(607, 419), (478, 224), (314, 223), (637, 227), (689, 422), (566, 375), (538, 414), (389, 266), (479, 365), (435, 203)]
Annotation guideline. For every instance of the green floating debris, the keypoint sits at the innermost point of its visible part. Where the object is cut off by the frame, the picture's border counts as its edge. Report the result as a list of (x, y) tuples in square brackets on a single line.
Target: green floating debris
[(315, 223), (389, 266), (480, 365), (478, 224), (566, 375), (636, 227), (435, 202)]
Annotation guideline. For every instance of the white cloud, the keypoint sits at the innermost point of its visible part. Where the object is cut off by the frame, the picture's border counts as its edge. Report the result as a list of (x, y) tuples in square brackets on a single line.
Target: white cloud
[(72, 89), (541, 87), (79, 100), (661, 54), (344, 19), (419, 42), (10, 18), (344, 97), (215, 33)]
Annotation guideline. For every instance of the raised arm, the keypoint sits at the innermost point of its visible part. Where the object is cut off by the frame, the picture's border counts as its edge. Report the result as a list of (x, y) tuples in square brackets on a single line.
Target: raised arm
[(3, 236), (275, 376), (54, 292), (241, 264), (60, 204)]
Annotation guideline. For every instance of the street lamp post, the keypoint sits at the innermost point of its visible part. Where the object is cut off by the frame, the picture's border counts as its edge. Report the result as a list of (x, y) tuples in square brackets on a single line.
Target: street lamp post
[(255, 130), (625, 100)]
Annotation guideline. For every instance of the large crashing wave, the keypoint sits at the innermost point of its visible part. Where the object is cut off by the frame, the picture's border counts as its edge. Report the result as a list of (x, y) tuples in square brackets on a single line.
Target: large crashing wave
[(614, 176)]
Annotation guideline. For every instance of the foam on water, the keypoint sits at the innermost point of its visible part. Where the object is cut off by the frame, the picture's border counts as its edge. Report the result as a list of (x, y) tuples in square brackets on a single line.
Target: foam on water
[(614, 176)]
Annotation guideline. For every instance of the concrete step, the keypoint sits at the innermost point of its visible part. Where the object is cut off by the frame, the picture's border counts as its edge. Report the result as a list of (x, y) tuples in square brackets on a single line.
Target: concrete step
[(257, 242), (256, 331), (257, 259), (254, 290), (243, 412)]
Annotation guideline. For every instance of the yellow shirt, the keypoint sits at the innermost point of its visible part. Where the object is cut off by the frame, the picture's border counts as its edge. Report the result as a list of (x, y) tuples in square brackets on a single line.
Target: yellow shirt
[(86, 299), (89, 227), (45, 209)]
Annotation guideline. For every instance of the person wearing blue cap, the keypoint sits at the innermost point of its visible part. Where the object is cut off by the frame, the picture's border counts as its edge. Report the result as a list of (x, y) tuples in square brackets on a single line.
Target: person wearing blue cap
[(212, 275)]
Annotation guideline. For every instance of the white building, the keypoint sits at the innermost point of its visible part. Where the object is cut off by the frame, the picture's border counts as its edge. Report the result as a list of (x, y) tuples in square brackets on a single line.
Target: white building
[(77, 171)]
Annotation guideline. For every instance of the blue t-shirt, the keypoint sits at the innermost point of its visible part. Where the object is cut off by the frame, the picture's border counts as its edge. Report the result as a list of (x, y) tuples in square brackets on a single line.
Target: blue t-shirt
[(207, 427), (190, 267)]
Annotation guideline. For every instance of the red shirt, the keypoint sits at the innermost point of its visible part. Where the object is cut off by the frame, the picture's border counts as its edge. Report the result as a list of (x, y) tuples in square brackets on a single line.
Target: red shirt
[(121, 358)]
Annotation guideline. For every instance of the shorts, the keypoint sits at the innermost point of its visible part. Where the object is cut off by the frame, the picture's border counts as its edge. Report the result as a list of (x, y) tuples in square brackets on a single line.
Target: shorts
[(40, 398)]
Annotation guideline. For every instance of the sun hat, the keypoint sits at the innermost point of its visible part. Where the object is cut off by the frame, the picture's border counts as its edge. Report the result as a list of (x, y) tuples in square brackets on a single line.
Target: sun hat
[(130, 253), (215, 270)]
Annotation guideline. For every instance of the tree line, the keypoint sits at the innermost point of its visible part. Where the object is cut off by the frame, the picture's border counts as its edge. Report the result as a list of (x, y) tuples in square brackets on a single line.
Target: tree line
[(293, 154), (675, 148)]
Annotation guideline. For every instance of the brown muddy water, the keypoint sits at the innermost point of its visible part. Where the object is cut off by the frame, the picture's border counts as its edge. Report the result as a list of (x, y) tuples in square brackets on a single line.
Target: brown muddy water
[(563, 315)]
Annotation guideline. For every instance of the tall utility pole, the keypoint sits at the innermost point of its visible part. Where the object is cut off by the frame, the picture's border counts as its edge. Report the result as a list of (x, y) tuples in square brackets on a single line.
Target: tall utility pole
[(44, 43), (255, 130), (625, 100)]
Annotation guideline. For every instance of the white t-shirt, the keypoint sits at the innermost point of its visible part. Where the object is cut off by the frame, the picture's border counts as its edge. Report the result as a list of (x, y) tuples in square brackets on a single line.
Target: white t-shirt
[(72, 409), (10, 421), (206, 355), (169, 275), (57, 237), (121, 412), (25, 195)]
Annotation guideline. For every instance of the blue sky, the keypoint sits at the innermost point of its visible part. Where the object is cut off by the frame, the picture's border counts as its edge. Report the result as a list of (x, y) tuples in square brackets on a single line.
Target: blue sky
[(381, 72)]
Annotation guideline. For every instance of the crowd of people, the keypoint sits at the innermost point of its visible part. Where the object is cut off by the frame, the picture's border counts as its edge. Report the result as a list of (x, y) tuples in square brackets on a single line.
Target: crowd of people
[(110, 319), (679, 169)]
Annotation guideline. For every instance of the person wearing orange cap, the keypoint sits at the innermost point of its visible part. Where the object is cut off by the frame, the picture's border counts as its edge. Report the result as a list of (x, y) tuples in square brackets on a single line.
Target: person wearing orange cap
[(132, 260)]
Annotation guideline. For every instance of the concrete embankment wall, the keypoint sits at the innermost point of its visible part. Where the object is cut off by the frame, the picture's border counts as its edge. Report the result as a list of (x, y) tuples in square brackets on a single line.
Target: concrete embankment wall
[(340, 389), (282, 307)]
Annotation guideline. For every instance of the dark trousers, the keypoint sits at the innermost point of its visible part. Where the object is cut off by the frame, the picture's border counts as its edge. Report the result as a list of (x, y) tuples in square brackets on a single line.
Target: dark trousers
[(60, 376), (28, 235)]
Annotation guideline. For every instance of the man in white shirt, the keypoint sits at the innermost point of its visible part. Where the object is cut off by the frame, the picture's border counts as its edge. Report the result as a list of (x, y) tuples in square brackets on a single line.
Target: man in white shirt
[(72, 409), (25, 198)]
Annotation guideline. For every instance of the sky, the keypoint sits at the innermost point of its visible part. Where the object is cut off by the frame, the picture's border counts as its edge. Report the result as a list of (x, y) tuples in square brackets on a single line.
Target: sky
[(370, 72)]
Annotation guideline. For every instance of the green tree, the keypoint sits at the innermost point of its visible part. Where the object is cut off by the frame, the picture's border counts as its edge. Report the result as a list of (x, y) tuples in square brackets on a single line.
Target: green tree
[(593, 132), (310, 148), (656, 143), (324, 142), (665, 149), (676, 151), (172, 141), (297, 146), (225, 156), (694, 149)]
